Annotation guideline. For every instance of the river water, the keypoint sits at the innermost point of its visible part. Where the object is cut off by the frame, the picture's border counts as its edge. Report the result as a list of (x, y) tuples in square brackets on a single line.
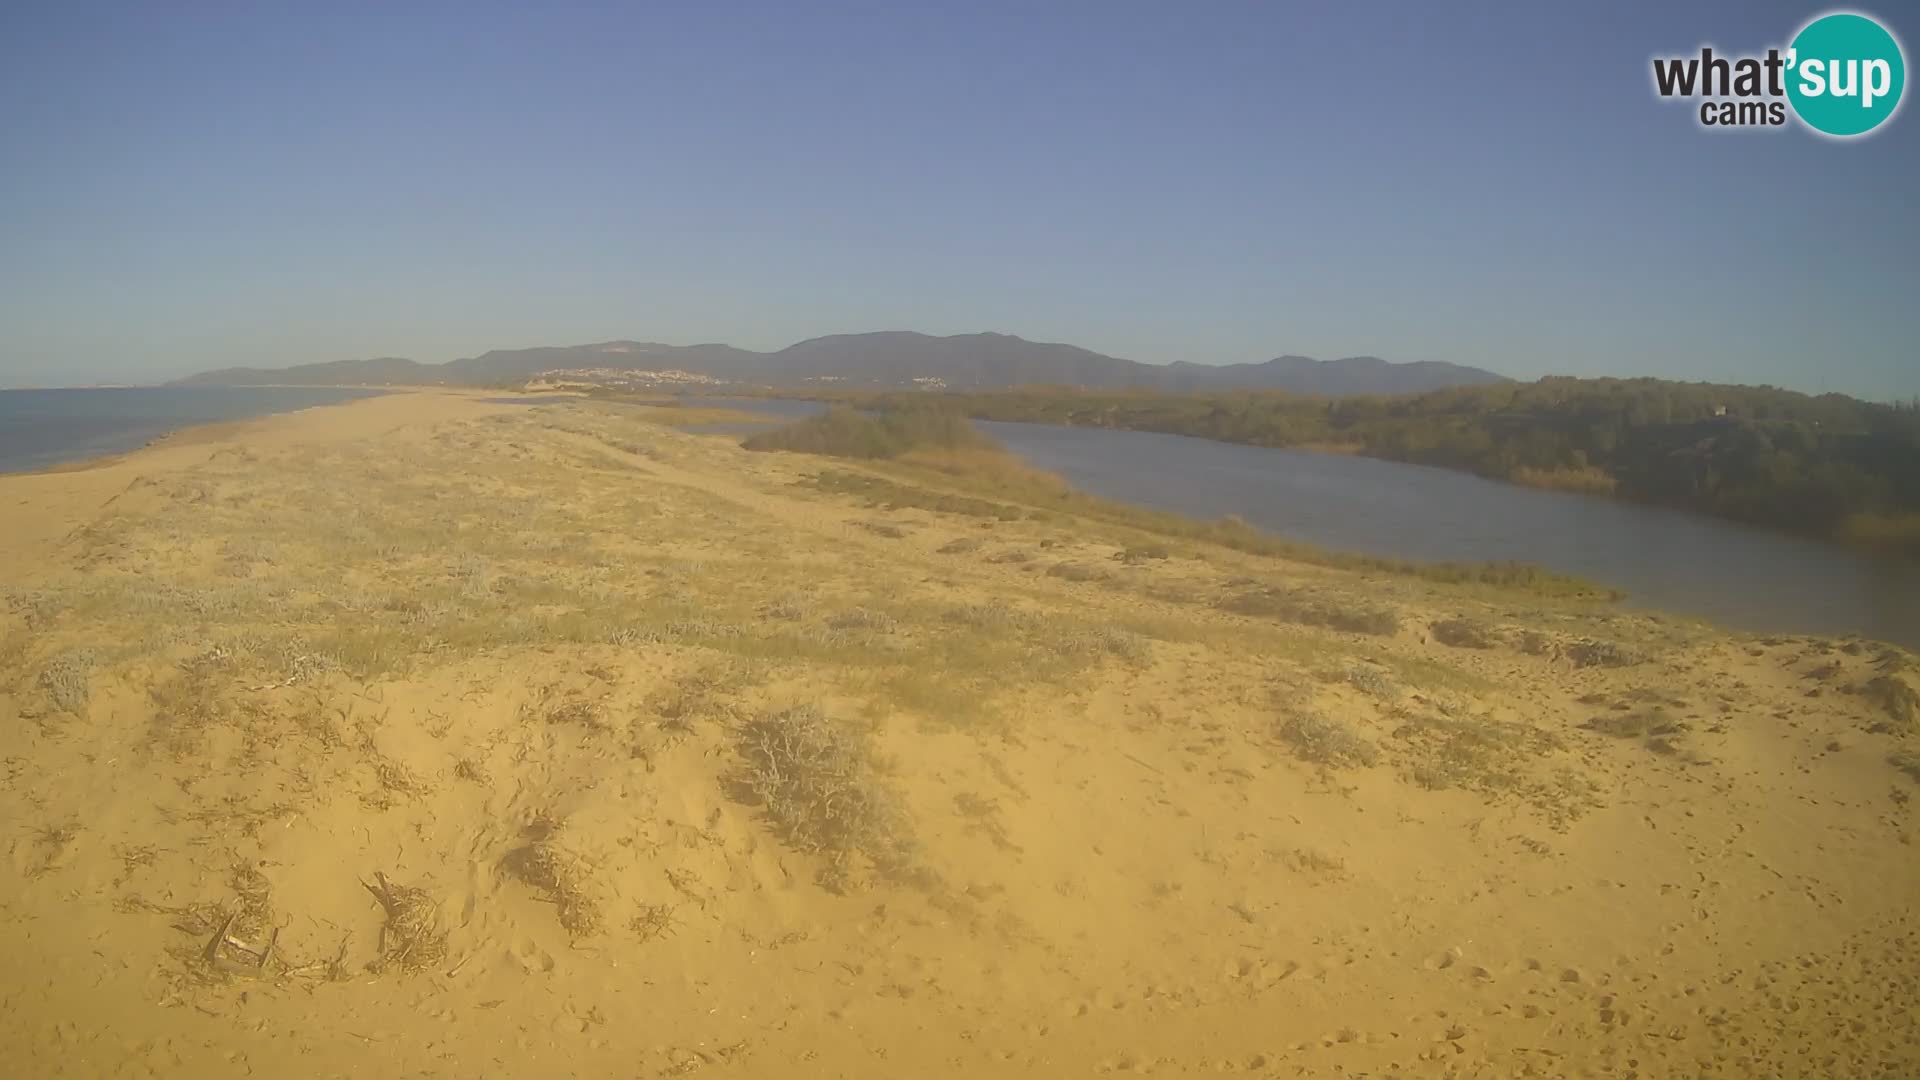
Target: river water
[(1669, 560)]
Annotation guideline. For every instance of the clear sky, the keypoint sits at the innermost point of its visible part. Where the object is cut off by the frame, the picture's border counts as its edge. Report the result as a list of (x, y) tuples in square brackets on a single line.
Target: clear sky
[(187, 186)]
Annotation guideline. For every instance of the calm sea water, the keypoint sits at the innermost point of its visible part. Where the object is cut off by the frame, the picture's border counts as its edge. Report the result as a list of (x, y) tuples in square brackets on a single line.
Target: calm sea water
[(1669, 560), (39, 428)]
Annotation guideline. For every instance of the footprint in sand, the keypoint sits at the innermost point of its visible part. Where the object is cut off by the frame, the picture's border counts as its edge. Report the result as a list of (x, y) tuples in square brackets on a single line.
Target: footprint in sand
[(532, 958)]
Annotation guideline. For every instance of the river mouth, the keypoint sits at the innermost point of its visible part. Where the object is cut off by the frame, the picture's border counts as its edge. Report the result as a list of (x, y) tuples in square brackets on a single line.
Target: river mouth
[(1666, 560)]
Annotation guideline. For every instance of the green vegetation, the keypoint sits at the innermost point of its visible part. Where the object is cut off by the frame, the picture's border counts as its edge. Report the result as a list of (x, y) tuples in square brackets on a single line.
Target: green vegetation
[(1830, 465), (890, 495), (843, 432)]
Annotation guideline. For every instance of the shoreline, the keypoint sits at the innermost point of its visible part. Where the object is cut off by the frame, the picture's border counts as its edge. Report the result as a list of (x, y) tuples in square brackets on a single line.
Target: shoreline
[(1901, 547), (1810, 565), (187, 433), (47, 506)]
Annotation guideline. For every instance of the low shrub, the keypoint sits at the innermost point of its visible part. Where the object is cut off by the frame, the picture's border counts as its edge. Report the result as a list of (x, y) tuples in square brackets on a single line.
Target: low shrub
[(1591, 653), (844, 432), (819, 788), (1277, 603), (1327, 741), (1465, 634)]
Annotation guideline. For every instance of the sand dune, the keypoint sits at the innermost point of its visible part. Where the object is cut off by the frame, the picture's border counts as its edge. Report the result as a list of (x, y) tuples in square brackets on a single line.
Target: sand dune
[(429, 736)]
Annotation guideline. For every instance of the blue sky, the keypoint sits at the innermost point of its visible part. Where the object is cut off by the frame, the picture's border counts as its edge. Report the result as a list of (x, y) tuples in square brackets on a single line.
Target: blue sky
[(197, 185)]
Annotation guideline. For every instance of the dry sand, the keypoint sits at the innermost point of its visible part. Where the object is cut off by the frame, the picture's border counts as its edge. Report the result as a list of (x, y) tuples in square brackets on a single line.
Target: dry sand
[(558, 742)]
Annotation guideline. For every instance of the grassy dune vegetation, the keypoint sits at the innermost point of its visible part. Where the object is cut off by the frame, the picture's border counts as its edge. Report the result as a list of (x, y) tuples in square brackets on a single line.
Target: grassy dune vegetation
[(937, 445), (426, 736), (844, 432), (1830, 466)]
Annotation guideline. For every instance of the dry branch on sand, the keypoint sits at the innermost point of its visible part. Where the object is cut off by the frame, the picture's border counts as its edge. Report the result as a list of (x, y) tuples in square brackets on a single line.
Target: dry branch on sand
[(563, 875), (411, 938)]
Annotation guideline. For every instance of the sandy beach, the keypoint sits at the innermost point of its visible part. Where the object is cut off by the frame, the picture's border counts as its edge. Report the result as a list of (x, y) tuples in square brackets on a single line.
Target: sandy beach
[(428, 735)]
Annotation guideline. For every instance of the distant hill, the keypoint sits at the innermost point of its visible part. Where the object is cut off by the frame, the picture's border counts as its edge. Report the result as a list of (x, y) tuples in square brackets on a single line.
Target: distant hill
[(1333, 378), (385, 370), (887, 359)]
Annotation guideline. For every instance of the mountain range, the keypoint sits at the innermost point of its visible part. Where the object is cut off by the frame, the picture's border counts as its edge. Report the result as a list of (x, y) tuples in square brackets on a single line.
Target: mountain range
[(884, 359)]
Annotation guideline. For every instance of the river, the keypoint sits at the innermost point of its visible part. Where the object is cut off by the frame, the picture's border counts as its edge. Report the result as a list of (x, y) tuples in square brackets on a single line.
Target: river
[(1668, 560)]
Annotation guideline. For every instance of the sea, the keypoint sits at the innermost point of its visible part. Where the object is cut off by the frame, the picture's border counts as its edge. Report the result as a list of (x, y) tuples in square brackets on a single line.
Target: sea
[(43, 428)]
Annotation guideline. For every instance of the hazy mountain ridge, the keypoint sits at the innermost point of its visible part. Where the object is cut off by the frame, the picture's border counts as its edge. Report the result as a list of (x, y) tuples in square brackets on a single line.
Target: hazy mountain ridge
[(887, 358)]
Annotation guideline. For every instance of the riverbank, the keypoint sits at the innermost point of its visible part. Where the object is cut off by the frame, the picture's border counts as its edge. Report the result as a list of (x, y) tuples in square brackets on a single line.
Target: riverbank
[(428, 734), (1364, 513), (1831, 467)]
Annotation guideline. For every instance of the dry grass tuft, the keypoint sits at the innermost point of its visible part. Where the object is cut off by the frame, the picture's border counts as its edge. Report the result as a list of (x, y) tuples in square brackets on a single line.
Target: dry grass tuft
[(399, 781), (1277, 603), (412, 938), (864, 619), (890, 495), (653, 921), (1139, 553), (1591, 653), (1654, 723), (564, 876), (1480, 754), (1535, 643), (1311, 861), (883, 528), (68, 680), (1371, 681), (791, 607), (50, 843), (1898, 698), (184, 707), (1324, 740), (995, 615), (819, 787), (1907, 761), (1097, 642), (1465, 633)]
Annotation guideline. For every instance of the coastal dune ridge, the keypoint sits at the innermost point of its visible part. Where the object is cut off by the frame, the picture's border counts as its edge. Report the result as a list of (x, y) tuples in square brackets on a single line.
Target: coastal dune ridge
[(435, 732)]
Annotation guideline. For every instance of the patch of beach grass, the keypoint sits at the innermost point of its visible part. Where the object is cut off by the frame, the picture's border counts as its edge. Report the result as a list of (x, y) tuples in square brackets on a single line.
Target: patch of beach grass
[(1305, 609), (1325, 740), (817, 783), (1464, 633)]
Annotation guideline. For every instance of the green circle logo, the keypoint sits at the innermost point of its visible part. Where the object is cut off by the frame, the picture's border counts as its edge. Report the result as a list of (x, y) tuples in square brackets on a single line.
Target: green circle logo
[(1845, 73)]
